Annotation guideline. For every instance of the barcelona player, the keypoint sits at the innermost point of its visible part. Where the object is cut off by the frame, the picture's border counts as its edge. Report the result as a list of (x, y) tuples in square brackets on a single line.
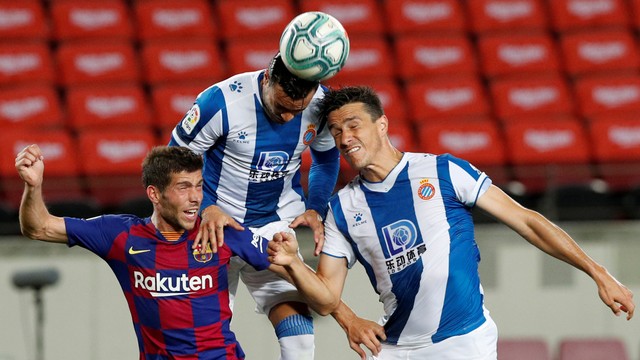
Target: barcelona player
[(177, 296), (407, 219), (252, 129)]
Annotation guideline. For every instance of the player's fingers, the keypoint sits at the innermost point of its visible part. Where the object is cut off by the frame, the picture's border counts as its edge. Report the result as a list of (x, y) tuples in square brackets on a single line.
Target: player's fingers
[(198, 238), (234, 224), (379, 331), (358, 349)]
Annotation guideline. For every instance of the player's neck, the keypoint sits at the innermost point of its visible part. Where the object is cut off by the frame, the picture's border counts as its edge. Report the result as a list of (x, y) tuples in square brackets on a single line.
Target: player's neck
[(385, 162)]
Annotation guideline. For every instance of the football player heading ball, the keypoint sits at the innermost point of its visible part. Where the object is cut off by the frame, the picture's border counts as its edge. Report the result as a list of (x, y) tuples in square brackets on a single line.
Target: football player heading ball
[(252, 129)]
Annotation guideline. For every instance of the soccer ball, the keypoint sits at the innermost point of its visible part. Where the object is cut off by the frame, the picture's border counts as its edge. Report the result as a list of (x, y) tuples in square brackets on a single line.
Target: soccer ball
[(314, 46)]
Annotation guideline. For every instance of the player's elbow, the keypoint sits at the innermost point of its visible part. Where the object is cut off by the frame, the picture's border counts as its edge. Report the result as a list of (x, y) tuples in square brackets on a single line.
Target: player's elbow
[(326, 307)]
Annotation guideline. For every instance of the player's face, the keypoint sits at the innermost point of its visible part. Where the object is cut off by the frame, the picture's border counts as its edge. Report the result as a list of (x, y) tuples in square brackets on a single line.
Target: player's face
[(356, 134), (179, 202), (279, 107)]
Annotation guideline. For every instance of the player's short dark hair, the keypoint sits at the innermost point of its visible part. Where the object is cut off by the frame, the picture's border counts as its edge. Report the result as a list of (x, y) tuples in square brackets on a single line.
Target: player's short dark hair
[(334, 99), (163, 161), (295, 87)]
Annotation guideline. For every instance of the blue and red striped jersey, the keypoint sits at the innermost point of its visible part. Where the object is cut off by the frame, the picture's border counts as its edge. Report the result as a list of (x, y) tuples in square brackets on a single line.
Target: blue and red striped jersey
[(178, 298)]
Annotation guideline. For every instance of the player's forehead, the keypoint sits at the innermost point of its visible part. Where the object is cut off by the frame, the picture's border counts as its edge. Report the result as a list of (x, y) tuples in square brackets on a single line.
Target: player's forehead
[(284, 101), (186, 177), (346, 113)]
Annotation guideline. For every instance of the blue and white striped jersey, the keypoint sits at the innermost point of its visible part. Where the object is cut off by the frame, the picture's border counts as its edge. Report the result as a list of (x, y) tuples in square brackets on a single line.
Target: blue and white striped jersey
[(414, 234), (252, 164)]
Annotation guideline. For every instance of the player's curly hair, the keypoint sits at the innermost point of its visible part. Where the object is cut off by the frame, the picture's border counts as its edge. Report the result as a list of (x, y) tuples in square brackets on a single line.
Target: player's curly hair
[(162, 161), (334, 99), (295, 87)]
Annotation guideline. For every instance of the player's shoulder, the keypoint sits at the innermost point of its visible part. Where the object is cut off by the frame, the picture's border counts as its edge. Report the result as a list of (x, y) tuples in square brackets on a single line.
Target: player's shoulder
[(234, 88)]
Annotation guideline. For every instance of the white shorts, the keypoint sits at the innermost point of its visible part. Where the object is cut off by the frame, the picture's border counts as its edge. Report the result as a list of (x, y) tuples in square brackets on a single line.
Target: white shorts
[(480, 344), (266, 288)]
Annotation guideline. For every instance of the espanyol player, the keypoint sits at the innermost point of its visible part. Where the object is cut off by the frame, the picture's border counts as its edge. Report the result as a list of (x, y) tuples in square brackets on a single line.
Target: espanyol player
[(252, 129), (407, 219), (177, 297)]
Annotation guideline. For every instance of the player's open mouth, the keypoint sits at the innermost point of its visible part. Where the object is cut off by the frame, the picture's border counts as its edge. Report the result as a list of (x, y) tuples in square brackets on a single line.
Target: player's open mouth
[(191, 213), (352, 150)]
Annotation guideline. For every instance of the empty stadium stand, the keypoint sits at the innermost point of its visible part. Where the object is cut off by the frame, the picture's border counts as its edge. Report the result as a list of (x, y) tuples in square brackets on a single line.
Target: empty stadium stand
[(550, 89)]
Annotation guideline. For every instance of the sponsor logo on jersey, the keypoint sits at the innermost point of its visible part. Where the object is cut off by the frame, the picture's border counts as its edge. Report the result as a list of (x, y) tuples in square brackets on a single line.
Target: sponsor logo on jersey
[(191, 119), (272, 165), (403, 250), (426, 190), (309, 135), (203, 256), (166, 286)]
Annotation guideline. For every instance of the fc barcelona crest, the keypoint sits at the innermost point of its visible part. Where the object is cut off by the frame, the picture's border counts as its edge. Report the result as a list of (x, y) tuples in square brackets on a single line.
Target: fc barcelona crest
[(205, 256)]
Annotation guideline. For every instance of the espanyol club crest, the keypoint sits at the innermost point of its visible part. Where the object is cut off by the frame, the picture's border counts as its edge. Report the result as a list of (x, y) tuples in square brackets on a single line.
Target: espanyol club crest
[(426, 190), (309, 135), (205, 256)]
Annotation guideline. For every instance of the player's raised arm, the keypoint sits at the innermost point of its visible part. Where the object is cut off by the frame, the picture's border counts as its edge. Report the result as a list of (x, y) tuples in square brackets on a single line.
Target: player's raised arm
[(551, 239), (35, 220)]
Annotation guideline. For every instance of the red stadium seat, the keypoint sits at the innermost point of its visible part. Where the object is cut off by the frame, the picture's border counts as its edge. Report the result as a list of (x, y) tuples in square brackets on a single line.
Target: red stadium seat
[(91, 63), (424, 16), (593, 349), (162, 19), (599, 51), (447, 99), (171, 103), (421, 56), (599, 95), (542, 95), (579, 14), (616, 149), (635, 13), (34, 107), (62, 176), (516, 54), (546, 152), (105, 107), (523, 349), (78, 19), (181, 61), (111, 163), (506, 16), (249, 55), (368, 61), (254, 18), (22, 62), (480, 142), (359, 17), (23, 20)]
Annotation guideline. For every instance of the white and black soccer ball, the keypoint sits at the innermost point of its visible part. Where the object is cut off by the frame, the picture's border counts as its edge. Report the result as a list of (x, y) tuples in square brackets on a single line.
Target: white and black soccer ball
[(314, 46)]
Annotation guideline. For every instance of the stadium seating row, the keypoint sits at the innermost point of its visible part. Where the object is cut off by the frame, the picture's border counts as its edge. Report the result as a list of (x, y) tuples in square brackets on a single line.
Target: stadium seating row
[(537, 91), (228, 19), (568, 349)]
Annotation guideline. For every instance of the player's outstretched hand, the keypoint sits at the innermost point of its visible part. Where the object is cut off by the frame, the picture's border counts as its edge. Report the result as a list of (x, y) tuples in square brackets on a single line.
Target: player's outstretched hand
[(616, 296), (313, 220), (283, 249), (30, 165), (365, 332), (212, 228)]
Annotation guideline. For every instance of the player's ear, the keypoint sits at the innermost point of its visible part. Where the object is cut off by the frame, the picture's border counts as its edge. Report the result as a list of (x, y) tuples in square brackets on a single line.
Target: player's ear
[(153, 193), (383, 124)]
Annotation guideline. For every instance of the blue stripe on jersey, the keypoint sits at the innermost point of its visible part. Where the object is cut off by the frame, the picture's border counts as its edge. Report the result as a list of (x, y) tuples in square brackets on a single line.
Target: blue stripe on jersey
[(462, 311), (406, 283), (341, 223), (213, 159), (269, 136)]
